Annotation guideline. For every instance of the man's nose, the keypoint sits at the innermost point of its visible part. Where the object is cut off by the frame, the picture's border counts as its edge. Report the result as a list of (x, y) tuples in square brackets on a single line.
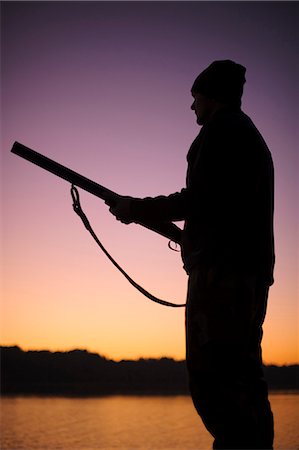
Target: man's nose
[(192, 106)]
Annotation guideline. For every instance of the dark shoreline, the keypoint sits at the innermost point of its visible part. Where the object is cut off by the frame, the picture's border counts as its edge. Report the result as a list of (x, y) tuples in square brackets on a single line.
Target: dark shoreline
[(79, 373), (122, 394)]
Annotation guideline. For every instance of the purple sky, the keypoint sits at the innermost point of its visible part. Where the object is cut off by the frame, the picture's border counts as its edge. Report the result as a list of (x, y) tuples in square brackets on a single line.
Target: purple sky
[(104, 88)]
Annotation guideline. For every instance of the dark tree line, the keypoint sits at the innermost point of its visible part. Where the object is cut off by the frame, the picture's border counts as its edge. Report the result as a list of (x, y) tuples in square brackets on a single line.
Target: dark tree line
[(79, 372)]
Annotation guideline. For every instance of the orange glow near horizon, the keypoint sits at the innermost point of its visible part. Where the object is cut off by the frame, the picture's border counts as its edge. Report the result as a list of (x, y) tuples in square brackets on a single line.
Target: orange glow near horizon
[(134, 329)]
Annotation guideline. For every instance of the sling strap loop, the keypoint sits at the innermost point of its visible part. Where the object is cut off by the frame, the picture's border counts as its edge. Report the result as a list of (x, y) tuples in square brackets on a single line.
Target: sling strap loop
[(78, 210)]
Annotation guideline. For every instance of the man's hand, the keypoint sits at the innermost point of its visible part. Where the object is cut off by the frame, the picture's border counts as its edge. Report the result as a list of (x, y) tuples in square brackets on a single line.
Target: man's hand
[(121, 209)]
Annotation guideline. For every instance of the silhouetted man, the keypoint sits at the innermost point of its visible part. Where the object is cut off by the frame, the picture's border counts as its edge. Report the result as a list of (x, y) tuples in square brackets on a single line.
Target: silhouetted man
[(228, 251)]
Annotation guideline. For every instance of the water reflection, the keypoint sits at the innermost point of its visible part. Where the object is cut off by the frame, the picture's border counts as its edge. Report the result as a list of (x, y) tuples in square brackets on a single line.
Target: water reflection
[(120, 422)]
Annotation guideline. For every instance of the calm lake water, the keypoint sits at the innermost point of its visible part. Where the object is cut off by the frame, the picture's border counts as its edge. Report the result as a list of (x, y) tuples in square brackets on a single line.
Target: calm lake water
[(122, 422)]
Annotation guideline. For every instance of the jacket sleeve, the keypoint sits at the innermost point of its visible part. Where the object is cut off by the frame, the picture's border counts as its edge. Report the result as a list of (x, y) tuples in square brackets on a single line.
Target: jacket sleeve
[(160, 209)]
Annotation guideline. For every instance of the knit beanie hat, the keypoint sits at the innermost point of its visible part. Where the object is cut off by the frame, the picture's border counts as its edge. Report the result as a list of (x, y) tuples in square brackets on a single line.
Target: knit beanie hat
[(222, 81)]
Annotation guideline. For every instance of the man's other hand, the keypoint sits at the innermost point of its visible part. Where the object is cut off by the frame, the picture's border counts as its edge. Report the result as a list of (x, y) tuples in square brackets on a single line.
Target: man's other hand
[(121, 209)]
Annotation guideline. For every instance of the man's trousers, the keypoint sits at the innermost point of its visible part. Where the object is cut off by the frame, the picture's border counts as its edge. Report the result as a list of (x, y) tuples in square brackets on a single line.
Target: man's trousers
[(224, 316)]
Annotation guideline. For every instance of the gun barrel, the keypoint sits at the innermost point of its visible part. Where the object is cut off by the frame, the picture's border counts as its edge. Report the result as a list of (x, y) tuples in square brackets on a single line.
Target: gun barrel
[(63, 172), (167, 229)]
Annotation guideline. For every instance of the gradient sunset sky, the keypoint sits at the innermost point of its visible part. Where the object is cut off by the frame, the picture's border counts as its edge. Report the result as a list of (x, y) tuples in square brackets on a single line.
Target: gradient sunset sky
[(104, 88)]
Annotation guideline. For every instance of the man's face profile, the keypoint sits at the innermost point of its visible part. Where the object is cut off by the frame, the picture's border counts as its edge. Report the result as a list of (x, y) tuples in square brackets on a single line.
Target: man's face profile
[(202, 106)]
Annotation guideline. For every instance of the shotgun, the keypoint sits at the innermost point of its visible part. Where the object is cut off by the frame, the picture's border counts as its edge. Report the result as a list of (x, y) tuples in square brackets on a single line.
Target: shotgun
[(166, 229)]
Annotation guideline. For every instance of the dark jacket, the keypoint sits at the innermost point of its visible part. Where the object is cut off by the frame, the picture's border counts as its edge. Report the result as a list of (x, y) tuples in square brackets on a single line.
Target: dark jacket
[(228, 201)]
